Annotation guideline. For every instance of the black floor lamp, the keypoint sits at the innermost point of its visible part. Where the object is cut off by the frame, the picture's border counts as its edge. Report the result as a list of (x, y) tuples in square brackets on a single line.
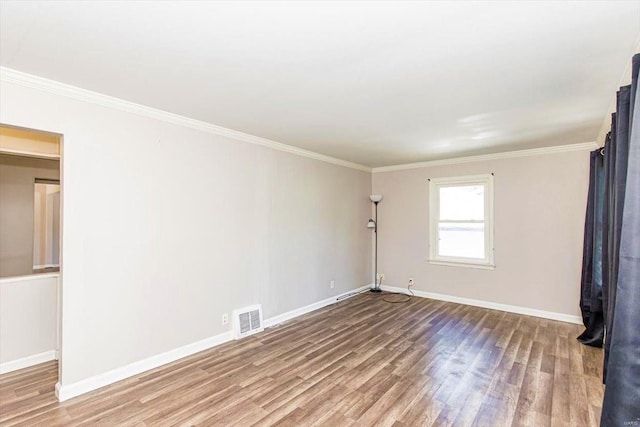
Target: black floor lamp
[(375, 198)]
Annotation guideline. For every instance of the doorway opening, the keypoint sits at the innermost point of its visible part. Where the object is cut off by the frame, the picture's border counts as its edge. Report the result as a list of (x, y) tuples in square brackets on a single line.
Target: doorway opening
[(30, 247)]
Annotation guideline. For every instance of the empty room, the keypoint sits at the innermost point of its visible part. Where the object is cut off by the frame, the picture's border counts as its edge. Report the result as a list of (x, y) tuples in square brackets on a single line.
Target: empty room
[(323, 213)]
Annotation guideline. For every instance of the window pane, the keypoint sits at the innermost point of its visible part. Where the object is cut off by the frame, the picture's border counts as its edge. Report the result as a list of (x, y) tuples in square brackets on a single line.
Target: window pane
[(462, 202), (463, 240), (46, 226)]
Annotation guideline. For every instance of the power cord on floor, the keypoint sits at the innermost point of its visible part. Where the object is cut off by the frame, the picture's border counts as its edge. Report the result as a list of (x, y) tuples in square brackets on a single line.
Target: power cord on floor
[(401, 293), (368, 291), (396, 293)]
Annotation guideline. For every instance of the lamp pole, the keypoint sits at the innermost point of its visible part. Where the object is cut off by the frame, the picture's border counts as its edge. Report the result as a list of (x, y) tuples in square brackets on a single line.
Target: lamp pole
[(376, 288), (373, 223)]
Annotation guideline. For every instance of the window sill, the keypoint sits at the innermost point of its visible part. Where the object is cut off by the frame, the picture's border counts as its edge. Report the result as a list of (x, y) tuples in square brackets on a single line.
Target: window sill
[(26, 277), (462, 264)]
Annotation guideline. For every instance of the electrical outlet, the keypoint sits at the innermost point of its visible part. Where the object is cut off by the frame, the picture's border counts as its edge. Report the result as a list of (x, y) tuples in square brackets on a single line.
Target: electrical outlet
[(410, 281), (332, 284), (225, 318)]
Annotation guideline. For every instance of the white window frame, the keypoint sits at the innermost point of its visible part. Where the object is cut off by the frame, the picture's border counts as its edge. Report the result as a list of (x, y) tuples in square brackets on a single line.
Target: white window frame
[(434, 218)]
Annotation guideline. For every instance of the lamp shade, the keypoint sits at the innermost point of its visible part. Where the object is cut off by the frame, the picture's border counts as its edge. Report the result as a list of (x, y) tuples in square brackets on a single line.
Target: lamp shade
[(371, 224), (375, 197)]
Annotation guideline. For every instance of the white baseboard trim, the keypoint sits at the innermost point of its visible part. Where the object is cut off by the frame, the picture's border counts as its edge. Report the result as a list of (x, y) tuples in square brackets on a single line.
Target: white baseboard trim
[(28, 361), (309, 308), (66, 392), (569, 318)]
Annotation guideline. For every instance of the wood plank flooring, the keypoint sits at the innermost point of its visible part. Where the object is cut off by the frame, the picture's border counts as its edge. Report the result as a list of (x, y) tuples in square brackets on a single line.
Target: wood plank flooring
[(361, 362)]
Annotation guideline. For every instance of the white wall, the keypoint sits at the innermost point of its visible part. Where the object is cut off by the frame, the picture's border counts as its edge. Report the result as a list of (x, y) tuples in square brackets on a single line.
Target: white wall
[(28, 322), (540, 204), (166, 228)]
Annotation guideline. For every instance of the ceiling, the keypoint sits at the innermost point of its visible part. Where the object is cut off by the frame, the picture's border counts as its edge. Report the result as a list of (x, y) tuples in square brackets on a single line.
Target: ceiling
[(373, 83)]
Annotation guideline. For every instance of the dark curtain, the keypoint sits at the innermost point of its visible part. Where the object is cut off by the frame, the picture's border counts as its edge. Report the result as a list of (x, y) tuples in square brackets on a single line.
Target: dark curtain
[(591, 286), (616, 163), (621, 260)]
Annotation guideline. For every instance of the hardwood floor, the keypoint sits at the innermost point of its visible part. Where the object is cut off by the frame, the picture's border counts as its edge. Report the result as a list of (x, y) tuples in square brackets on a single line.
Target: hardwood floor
[(361, 362)]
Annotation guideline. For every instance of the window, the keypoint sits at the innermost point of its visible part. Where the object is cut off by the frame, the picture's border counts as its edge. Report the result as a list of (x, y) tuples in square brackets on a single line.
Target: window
[(46, 225), (461, 221)]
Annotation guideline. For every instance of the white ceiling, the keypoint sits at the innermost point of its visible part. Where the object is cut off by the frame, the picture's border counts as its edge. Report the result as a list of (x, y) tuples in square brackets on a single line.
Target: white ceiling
[(373, 83)]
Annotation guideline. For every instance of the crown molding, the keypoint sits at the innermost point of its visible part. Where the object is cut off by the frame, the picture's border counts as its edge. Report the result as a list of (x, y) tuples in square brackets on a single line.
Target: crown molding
[(51, 86), (35, 82), (484, 157)]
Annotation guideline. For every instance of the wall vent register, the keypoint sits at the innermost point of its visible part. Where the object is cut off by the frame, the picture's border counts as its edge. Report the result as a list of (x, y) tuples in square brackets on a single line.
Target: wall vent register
[(247, 321)]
